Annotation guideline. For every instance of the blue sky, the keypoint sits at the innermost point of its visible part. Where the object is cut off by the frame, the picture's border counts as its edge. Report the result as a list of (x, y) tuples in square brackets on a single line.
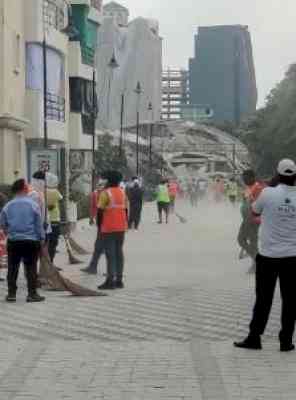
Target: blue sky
[(271, 23)]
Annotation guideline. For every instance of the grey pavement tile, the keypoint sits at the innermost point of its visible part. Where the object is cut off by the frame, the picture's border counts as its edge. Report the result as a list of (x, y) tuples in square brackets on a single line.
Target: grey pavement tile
[(168, 335)]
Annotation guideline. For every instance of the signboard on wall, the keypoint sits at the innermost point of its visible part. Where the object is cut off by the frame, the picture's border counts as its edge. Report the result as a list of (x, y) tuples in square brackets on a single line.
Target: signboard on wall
[(44, 160), (81, 161)]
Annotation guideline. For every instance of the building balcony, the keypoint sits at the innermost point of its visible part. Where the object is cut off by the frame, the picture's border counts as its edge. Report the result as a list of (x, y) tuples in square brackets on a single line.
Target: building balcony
[(54, 14), (79, 139), (82, 107), (46, 18), (76, 67), (86, 20), (55, 106), (56, 123)]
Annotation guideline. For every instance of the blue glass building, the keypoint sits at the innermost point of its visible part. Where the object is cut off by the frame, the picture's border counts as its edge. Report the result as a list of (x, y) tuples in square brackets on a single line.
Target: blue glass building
[(222, 73)]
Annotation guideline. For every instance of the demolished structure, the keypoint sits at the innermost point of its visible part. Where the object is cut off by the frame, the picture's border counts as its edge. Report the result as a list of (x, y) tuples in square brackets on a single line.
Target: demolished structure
[(128, 53)]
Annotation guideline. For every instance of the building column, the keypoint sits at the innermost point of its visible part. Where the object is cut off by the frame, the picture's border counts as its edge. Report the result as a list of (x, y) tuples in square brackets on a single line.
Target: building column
[(12, 148)]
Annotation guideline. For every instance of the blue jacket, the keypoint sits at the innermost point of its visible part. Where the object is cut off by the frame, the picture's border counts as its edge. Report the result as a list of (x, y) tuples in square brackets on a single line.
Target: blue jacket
[(21, 220)]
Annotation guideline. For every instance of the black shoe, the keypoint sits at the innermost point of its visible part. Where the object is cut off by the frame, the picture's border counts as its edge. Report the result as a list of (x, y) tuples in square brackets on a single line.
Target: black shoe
[(89, 271), (249, 343), (35, 298), (119, 285), (107, 286), (285, 347), (10, 298), (159, 222), (2, 280)]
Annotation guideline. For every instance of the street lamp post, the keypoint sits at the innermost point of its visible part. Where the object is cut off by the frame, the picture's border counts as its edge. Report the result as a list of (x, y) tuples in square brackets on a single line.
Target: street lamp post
[(121, 125), (138, 92), (94, 118), (113, 64), (73, 34), (150, 108), (44, 54)]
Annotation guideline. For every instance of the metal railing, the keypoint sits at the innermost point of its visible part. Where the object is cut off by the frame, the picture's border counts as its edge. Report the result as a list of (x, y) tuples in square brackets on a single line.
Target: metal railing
[(54, 14), (55, 107)]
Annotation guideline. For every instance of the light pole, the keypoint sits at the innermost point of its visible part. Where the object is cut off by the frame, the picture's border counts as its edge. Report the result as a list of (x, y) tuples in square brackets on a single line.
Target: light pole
[(112, 65), (73, 34), (94, 118), (138, 92), (150, 108), (121, 124)]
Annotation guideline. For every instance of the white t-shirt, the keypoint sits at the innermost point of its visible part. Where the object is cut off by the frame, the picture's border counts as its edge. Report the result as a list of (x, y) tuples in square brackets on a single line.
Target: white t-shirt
[(277, 232)]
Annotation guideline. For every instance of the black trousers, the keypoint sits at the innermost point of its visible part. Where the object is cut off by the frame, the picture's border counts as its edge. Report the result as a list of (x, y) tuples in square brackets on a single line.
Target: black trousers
[(163, 207), (113, 246), (248, 238), (27, 252), (268, 271), (98, 251), (53, 240), (134, 216)]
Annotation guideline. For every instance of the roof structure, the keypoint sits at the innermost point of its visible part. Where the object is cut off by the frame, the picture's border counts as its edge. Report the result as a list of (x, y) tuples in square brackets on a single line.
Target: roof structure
[(114, 5)]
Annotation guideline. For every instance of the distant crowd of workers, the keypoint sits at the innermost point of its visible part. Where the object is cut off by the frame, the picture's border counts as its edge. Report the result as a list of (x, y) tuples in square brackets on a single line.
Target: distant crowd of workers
[(30, 224)]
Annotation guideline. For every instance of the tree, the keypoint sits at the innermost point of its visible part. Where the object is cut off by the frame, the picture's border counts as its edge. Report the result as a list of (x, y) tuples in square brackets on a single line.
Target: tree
[(108, 157), (271, 134)]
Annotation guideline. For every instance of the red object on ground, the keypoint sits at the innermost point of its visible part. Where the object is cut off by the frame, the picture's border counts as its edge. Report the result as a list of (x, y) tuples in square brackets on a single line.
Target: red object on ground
[(3, 251)]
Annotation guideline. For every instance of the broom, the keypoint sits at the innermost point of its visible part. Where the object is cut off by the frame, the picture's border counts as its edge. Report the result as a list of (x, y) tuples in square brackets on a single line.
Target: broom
[(181, 219), (53, 280), (77, 248), (72, 259)]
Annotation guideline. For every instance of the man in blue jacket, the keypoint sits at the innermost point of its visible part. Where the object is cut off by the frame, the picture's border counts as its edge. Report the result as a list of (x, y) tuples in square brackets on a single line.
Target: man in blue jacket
[(22, 222)]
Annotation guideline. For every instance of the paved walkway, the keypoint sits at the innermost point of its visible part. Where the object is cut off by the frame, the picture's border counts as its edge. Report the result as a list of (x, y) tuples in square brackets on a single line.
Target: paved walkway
[(168, 335)]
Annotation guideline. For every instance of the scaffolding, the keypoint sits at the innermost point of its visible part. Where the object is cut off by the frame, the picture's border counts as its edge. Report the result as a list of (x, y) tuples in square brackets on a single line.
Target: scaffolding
[(175, 93)]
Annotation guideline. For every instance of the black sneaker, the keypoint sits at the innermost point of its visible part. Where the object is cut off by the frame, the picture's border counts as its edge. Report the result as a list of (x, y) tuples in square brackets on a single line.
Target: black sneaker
[(119, 285), (285, 347), (10, 298), (35, 298), (107, 286), (249, 343)]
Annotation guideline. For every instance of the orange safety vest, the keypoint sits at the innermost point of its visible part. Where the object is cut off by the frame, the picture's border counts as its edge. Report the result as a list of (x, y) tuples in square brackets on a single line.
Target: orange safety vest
[(114, 217), (251, 194), (173, 189)]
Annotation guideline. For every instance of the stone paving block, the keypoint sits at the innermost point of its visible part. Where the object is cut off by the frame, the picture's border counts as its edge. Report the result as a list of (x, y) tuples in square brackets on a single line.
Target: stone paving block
[(168, 335)]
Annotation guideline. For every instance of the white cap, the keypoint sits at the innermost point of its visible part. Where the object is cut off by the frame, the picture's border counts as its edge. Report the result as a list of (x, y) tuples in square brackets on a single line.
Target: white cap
[(52, 180), (287, 167)]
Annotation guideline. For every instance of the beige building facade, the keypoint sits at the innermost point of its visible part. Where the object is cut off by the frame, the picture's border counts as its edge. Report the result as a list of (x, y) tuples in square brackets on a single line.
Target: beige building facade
[(26, 26), (12, 91)]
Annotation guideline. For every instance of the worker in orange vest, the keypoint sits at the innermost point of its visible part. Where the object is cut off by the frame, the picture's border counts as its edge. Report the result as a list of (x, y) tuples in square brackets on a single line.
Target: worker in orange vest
[(92, 268), (248, 232), (112, 225), (173, 191)]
